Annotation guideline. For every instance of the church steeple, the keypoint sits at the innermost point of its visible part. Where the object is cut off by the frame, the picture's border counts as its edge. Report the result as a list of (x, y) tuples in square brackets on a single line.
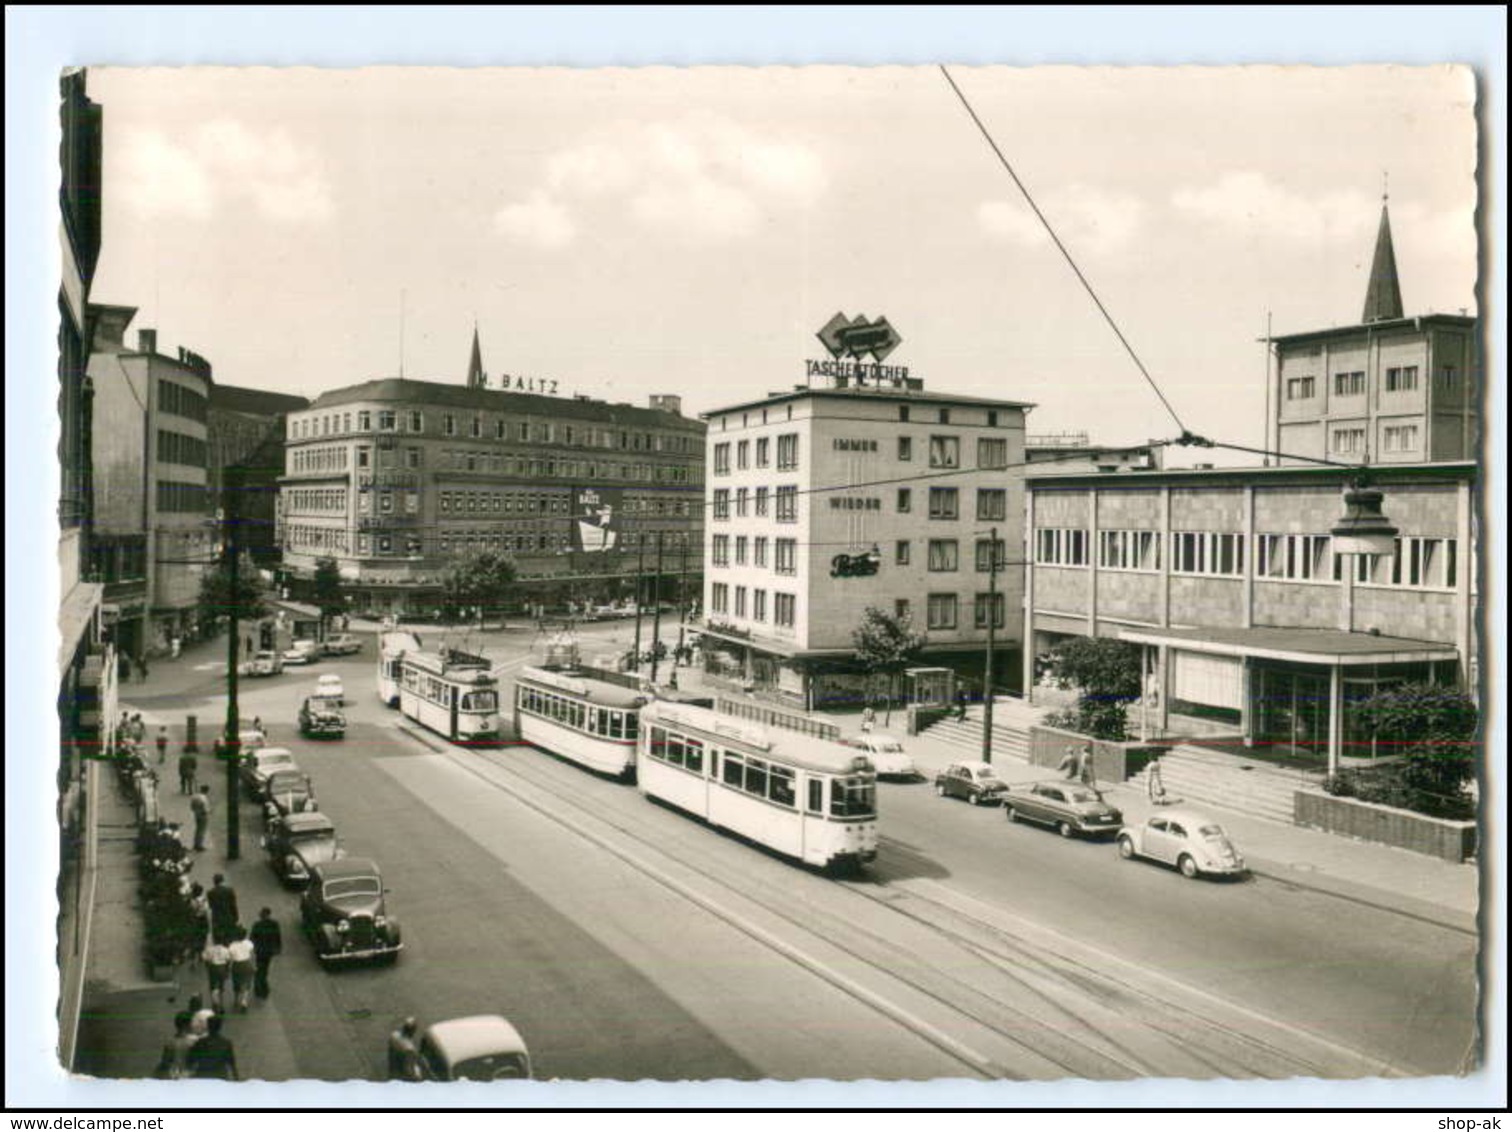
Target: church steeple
[(476, 378), (1383, 295)]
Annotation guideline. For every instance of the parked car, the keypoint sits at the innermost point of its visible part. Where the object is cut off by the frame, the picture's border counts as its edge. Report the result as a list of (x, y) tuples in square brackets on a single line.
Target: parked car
[(1193, 842), (344, 914), (886, 753), (302, 652), (297, 843), (343, 644), (976, 782), (251, 739), (321, 717), (288, 792), (481, 1047), (260, 765), (1067, 807), (265, 662), (328, 685)]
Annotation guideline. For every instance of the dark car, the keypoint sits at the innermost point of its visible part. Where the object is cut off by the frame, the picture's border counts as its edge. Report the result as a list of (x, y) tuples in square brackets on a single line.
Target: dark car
[(299, 842), (343, 912), (262, 764), (322, 717), (288, 792), (1067, 807), (976, 782)]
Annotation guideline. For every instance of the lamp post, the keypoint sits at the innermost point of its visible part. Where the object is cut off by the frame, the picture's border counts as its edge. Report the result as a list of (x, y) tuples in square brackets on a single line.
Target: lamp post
[(640, 569), (231, 746), (992, 568), (656, 616)]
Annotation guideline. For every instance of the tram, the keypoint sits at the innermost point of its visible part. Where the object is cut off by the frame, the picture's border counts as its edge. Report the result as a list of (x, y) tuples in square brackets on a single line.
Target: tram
[(391, 650), (810, 799), (591, 722), (452, 693)]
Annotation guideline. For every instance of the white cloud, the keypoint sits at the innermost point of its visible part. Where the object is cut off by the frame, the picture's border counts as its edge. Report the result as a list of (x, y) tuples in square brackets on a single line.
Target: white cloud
[(158, 178), (701, 175), (1250, 204), (1087, 220)]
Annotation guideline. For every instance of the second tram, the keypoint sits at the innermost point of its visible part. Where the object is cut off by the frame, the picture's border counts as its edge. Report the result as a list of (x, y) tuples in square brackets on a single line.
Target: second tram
[(592, 722), (452, 693), (391, 650)]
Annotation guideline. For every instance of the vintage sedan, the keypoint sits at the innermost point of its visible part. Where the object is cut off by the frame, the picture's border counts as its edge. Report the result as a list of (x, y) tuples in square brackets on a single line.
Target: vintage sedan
[(302, 652), (297, 843), (976, 782), (288, 792), (321, 717), (886, 753), (328, 685), (1067, 807), (263, 663), (1193, 842), (480, 1047), (344, 914), (260, 765), (342, 644)]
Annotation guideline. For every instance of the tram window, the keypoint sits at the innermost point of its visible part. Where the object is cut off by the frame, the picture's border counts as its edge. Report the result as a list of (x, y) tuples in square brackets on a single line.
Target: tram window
[(816, 796), (756, 777), (658, 742), (674, 753), (616, 725), (852, 798), (632, 725), (577, 716), (693, 756), (734, 770), (600, 722), (780, 789)]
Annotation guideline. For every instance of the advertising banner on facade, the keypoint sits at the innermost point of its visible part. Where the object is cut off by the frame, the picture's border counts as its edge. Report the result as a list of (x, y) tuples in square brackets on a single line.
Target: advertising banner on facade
[(595, 518)]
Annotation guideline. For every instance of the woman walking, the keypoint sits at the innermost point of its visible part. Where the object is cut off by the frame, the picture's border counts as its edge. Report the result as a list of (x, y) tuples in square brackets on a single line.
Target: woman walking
[(243, 966), (217, 966)]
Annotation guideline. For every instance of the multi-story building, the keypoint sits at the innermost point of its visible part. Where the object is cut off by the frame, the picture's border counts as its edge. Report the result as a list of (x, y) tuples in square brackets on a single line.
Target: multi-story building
[(153, 533), (799, 478), (246, 430), (1388, 390), (395, 479), (1075, 452), (1254, 627)]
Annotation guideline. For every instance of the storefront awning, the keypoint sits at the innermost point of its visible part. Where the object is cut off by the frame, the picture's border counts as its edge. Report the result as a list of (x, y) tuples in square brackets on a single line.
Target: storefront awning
[(1300, 646), (74, 614)]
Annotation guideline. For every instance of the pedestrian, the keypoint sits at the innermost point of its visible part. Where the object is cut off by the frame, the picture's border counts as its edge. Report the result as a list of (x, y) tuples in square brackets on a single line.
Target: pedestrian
[(174, 1063), (1085, 770), (199, 918), (199, 1017), (1067, 765), (403, 1054), (267, 942), (162, 743), (174, 645), (188, 770), (217, 959), (200, 805), (213, 1055), (223, 917), (142, 668), (868, 718), (243, 965), (138, 729), (257, 725)]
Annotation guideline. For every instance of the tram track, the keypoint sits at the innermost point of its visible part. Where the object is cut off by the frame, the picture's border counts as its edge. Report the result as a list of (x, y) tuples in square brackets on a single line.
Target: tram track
[(1063, 1010)]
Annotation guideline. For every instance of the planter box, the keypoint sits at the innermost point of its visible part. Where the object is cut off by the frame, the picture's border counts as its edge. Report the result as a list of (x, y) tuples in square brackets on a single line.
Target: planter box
[(1111, 762), (1449, 840)]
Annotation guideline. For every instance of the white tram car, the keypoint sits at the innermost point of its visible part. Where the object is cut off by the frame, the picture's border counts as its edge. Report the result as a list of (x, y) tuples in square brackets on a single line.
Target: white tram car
[(591, 722), (391, 650), (808, 798), (452, 693)]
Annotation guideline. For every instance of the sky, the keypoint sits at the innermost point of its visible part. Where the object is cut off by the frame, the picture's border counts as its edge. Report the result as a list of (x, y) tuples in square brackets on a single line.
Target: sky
[(630, 231)]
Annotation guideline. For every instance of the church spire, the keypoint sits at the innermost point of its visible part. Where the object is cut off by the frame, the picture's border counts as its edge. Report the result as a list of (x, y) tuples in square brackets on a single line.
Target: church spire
[(1383, 296), (476, 378)]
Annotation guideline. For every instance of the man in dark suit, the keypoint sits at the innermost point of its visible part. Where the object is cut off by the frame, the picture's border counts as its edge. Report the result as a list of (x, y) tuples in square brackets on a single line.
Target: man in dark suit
[(267, 941), (223, 914), (213, 1055)]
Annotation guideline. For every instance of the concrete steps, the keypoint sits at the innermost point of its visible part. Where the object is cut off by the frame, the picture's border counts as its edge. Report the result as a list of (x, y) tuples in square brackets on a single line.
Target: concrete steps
[(1010, 731), (1207, 778)]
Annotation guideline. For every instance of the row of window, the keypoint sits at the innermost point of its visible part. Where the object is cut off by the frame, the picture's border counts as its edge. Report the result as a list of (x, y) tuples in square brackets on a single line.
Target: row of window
[(1399, 379), (606, 723), (441, 692), (302, 499), (478, 427), (505, 463), (329, 458), (944, 503), (316, 540), (182, 498), (905, 414), (1349, 439), (176, 448), (944, 452), (182, 401), (942, 610)]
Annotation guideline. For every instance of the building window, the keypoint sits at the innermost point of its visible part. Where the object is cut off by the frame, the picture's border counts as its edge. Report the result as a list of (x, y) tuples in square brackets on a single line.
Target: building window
[(741, 542), (944, 416), (1128, 550), (719, 597), (787, 504), (944, 503), (722, 459), (902, 608), (1301, 388), (364, 457), (992, 503), (1448, 379), (763, 495), (903, 413), (1348, 440), (388, 420), (994, 602), (743, 455), (905, 448), (759, 551), (1400, 438), (787, 556), (944, 451), (905, 500), (740, 601), (1415, 563), (944, 554), (901, 552), (1060, 546), (985, 557), (1204, 552), (758, 605), (992, 452), (364, 420), (416, 421), (449, 424), (992, 418), (722, 503), (742, 501), (942, 611), (763, 451), (1350, 384), (1296, 558), (787, 451), (720, 550), (477, 427), (785, 610), (1401, 379)]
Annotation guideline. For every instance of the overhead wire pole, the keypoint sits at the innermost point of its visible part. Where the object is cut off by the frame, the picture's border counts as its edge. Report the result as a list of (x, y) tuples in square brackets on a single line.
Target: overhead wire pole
[(992, 569), (640, 578), (656, 616), (231, 747)]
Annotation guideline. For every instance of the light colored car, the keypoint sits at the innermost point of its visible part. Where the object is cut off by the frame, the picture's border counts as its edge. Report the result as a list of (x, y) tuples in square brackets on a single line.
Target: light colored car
[(976, 782), (343, 644), (886, 753), (481, 1047), (260, 765), (251, 739), (1067, 807), (328, 687), (302, 652), (263, 663), (1193, 842)]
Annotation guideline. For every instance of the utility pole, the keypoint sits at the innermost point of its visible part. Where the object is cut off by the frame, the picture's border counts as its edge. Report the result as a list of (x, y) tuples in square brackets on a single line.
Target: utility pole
[(992, 569), (231, 747), (682, 606), (656, 617), (640, 570)]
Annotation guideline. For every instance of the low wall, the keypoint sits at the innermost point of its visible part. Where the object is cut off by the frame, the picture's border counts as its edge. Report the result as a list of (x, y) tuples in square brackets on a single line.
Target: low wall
[(1449, 840), (1111, 761)]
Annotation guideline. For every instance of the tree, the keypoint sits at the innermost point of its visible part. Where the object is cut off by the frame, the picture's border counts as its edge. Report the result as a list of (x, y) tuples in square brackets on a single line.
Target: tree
[(1106, 673), (215, 597), (482, 579), (328, 595), (1430, 729), (886, 645)]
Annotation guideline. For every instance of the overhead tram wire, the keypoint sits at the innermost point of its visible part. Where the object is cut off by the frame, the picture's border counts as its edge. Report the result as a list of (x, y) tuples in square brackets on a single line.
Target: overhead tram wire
[(1064, 252)]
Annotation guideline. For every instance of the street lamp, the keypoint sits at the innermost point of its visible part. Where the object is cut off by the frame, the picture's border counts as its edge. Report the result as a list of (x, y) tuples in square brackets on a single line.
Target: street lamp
[(992, 569), (1363, 529)]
